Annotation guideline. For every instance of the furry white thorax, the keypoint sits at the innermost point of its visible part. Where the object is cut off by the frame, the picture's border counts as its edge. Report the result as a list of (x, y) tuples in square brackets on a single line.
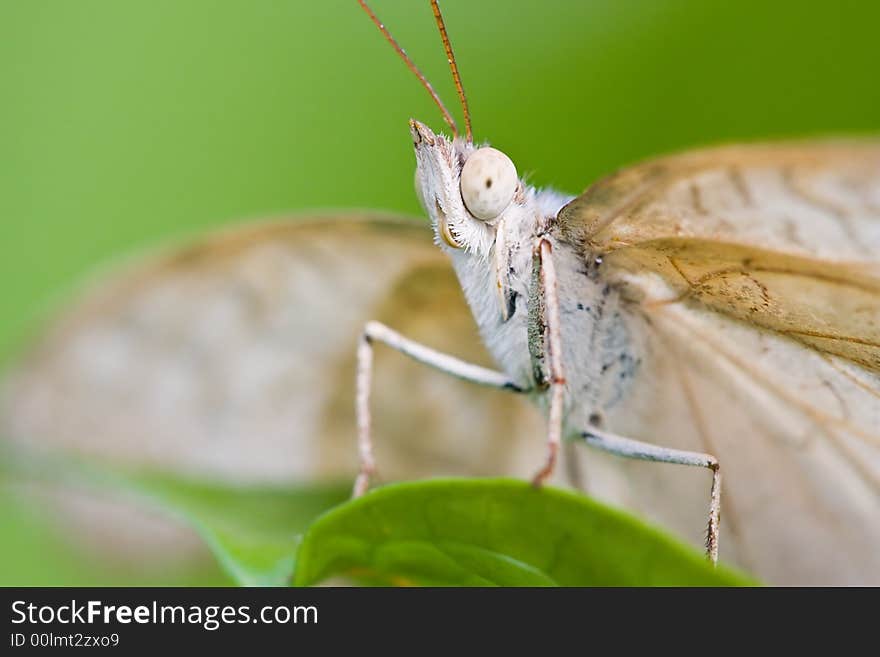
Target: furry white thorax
[(493, 262)]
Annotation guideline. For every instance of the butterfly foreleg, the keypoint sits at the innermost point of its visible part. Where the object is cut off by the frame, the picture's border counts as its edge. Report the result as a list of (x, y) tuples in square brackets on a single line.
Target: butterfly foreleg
[(377, 332), (635, 449), (545, 348)]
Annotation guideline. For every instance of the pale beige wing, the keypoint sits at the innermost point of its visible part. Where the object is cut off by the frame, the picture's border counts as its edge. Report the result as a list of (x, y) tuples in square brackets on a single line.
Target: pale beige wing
[(783, 237), (818, 199), (755, 269), (234, 357)]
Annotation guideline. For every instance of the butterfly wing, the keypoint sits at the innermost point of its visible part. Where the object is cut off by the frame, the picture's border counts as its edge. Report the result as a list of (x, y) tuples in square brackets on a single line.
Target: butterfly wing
[(233, 358), (756, 269)]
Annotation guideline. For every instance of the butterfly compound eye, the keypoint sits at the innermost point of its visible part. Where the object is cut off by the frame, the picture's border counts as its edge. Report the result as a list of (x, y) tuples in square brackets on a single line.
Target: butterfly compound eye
[(488, 182)]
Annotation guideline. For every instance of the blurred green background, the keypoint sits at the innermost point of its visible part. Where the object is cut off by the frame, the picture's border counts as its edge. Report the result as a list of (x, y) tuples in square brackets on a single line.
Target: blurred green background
[(123, 124)]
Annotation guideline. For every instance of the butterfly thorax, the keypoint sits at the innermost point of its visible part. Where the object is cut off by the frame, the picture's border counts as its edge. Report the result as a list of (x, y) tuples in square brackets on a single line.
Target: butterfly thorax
[(601, 333)]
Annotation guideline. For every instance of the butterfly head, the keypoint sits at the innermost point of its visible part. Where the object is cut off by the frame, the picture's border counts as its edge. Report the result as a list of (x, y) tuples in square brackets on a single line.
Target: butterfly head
[(467, 190)]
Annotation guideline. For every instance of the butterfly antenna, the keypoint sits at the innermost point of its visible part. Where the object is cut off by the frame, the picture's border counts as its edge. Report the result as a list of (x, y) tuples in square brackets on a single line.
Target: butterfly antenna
[(415, 69), (450, 57)]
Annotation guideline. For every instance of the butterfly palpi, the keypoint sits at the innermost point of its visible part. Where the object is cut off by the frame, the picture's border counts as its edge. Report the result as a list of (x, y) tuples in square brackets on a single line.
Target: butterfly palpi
[(718, 309)]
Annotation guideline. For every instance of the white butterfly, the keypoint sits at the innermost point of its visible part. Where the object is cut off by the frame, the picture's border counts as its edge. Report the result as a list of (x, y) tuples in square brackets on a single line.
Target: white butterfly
[(720, 307)]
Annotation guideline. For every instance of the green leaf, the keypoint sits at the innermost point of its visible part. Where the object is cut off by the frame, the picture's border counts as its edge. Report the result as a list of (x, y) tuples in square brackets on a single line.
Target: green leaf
[(495, 532), (34, 552), (252, 531)]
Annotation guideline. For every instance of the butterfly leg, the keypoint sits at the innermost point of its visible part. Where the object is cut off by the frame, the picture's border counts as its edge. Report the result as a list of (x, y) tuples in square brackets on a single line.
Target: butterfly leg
[(376, 332), (545, 347), (635, 449)]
